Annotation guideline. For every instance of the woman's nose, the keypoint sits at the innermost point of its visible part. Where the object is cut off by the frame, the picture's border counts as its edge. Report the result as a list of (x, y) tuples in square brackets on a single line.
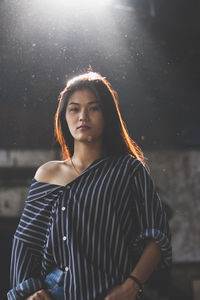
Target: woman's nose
[(83, 115)]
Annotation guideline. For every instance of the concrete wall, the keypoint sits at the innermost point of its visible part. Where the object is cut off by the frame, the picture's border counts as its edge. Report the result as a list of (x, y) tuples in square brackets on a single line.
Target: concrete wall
[(14, 192), (177, 174), (25, 158)]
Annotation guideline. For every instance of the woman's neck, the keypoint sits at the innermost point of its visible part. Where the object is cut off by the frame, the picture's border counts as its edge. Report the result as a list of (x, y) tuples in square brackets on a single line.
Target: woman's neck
[(86, 153)]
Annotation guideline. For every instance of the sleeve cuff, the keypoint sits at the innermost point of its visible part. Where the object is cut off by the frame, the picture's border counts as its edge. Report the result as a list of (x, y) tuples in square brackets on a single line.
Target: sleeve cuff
[(25, 289), (161, 240)]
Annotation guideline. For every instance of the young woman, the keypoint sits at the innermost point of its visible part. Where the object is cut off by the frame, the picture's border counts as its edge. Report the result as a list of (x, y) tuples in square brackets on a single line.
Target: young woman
[(93, 226)]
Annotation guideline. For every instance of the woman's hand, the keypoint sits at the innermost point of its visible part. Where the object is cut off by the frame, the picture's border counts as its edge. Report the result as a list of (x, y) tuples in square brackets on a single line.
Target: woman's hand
[(39, 295), (125, 291)]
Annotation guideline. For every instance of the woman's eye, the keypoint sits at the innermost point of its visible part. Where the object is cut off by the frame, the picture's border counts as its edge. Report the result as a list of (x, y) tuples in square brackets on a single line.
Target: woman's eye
[(94, 108), (74, 109)]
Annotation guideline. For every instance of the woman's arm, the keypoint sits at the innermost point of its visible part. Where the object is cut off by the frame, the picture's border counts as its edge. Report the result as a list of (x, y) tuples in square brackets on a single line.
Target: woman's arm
[(24, 270), (148, 262), (146, 265), (28, 242), (151, 225)]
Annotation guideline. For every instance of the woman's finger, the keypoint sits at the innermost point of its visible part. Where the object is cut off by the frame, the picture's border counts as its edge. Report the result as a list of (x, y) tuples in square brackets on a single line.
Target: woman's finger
[(39, 295)]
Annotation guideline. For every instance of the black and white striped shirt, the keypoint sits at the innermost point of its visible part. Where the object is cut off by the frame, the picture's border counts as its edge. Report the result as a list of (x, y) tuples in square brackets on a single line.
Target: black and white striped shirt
[(94, 229)]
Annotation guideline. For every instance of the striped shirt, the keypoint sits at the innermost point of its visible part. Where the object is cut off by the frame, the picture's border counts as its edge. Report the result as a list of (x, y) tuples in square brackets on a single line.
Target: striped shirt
[(94, 229)]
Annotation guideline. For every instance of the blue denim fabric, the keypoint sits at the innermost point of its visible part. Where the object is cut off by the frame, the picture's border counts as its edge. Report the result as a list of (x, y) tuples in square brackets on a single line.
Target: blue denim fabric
[(54, 282)]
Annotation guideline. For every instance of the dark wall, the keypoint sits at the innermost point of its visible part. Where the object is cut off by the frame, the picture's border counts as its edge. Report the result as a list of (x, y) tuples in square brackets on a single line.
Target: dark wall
[(7, 229)]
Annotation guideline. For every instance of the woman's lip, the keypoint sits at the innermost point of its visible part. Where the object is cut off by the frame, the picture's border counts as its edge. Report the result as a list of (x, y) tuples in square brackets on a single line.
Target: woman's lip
[(83, 127)]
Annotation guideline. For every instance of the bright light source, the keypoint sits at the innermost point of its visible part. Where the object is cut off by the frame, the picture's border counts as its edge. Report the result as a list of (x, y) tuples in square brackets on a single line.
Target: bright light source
[(84, 2), (88, 3), (81, 3), (65, 6)]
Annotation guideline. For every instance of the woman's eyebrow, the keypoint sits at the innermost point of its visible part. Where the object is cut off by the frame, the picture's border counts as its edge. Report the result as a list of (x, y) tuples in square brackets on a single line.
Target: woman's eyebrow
[(72, 103), (91, 102)]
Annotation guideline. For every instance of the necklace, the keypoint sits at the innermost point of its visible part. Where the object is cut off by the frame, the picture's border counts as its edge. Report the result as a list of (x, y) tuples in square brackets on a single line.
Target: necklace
[(77, 171)]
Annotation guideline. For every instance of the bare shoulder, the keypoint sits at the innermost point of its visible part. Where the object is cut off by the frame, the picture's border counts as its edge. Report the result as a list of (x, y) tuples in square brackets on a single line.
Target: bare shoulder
[(50, 170)]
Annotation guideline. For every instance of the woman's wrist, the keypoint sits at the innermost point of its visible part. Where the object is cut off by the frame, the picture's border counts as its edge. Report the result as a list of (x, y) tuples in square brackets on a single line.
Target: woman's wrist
[(137, 281), (137, 285), (131, 285)]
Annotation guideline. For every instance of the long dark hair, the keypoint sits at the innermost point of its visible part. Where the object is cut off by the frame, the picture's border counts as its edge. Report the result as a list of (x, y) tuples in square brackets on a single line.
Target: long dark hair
[(116, 140)]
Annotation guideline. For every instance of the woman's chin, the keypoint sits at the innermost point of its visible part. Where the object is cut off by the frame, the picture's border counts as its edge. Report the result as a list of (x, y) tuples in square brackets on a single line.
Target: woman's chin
[(87, 139)]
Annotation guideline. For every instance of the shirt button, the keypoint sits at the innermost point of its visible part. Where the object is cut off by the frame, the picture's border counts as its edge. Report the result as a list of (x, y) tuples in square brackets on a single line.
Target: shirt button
[(66, 269), (63, 208), (64, 238)]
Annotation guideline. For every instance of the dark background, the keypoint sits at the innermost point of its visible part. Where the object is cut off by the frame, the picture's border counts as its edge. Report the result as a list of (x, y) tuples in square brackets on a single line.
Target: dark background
[(148, 49), (152, 61)]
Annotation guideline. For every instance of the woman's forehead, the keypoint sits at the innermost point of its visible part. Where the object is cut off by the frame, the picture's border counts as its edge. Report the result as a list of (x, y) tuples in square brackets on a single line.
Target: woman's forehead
[(83, 95)]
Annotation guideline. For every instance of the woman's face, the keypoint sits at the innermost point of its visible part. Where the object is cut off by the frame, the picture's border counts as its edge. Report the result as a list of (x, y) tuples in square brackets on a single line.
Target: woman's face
[(84, 116)]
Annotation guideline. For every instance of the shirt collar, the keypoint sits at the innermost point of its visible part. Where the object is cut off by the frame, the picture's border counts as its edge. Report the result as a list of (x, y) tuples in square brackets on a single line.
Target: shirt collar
[(40, 189)]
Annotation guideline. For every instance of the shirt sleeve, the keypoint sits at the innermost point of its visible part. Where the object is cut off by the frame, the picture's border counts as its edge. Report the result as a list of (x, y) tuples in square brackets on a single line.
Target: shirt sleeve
[(24, 270), (28, 243), (151, 219)]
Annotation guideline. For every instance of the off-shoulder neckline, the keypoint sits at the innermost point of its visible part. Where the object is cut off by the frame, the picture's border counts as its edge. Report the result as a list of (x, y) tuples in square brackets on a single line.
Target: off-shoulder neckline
[(46, 183), (34, 180)]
